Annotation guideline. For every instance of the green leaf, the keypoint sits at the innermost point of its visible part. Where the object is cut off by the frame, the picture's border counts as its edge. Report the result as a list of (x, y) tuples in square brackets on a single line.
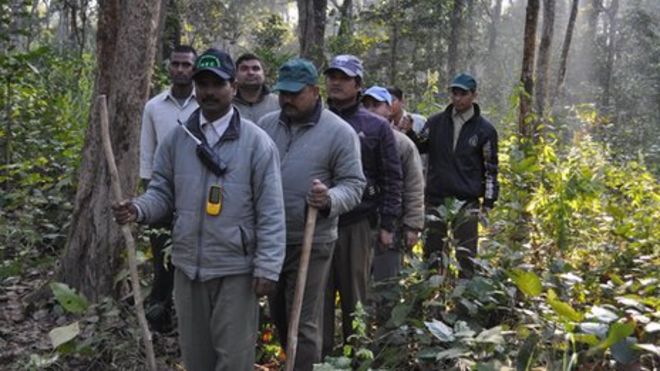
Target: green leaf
[(492, 335), (618, 332), (64, 334), (526, 355), (585, 338), (564, 310), (451, 353), (441, 331), (399, 314), (527, 282), (68, 299)]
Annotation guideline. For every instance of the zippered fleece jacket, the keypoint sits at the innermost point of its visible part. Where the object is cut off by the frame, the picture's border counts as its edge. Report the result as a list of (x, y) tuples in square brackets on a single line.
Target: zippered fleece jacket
[(381, 166), (249, 235), (468, 172), (325, 148)]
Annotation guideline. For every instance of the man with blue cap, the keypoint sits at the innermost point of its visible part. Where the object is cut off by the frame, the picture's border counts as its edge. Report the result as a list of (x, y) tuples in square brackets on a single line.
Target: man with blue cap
[(320, 168), (462, 164), (387, 259), (380, 207), (219, 175)]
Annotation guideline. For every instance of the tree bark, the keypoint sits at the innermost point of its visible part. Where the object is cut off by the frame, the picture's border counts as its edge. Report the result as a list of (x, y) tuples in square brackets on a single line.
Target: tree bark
[(126, 46), (455, 26), (525, 124), (311, 29), (566, 46), (611, 12), (543, 62), (496, 15)]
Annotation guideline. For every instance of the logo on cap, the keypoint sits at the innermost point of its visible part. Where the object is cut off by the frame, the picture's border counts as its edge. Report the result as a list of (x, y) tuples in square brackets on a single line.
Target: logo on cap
[(208, 61)]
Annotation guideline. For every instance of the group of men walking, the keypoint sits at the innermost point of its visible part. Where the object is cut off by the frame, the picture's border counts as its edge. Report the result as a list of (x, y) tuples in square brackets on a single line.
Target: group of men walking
[(231, 168)]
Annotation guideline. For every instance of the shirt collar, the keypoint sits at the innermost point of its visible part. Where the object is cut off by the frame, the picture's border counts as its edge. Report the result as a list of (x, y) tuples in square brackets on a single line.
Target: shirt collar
[(222, 121), (464, 116), (170, 96)]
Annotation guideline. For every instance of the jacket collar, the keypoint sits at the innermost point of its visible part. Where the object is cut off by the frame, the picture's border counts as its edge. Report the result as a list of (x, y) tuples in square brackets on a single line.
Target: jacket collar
[(345, 112), (264, 92), (231, 133)]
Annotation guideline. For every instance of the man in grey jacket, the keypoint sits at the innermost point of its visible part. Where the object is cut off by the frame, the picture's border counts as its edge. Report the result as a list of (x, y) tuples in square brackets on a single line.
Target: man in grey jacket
[(321, 168), (221, 174)]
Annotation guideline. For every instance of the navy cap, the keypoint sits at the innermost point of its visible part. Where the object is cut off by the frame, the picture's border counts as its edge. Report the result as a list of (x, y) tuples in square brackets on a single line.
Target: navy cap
[(464, 81), (378, 93), (348, 64), (295, 74), (216, 61)]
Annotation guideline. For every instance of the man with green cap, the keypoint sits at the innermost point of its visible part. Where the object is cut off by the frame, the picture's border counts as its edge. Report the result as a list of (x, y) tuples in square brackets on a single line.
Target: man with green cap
[(462, 164), (219, 175), (320, 168)]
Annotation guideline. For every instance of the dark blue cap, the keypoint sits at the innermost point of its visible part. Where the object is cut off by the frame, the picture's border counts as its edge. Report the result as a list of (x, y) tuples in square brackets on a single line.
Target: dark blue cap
[(348, 64), (216, 61), (464, 81)]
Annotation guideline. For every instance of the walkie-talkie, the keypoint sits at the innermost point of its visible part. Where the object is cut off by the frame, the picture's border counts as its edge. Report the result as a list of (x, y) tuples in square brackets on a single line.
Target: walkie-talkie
[(214, 201)]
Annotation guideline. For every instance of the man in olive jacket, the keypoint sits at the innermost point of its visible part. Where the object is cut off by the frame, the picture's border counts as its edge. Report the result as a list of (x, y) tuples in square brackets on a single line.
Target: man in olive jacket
[(228, 236), (321, 168)]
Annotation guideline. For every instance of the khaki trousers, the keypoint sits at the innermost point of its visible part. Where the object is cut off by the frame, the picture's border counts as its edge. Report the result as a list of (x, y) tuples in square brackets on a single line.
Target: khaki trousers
[(217, 322), (308, 351), (351, 268)]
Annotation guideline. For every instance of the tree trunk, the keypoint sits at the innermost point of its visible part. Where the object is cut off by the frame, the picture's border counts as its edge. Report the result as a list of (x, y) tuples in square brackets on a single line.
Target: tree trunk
[(611, 12), (496, 15), (525, 124), (311, 29), (455, 25), (346, 20), (126, 45), (566, 46), (543, 62), (394, 46)]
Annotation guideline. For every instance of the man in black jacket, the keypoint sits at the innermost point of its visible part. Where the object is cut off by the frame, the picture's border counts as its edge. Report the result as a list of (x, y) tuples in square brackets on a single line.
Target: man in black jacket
[(462, 164), (380, 207)]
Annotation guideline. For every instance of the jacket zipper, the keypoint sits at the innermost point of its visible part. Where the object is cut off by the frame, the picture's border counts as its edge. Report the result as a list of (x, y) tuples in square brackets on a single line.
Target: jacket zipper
[(201, 225)]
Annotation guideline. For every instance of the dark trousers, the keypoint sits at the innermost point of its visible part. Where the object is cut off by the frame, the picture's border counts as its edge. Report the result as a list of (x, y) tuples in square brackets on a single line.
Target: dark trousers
[(465, 236), (161, 290), (310, 327), (349, 276)]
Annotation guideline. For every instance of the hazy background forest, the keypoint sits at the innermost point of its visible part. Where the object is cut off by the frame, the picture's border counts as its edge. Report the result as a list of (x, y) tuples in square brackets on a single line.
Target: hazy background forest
[(570, 263)]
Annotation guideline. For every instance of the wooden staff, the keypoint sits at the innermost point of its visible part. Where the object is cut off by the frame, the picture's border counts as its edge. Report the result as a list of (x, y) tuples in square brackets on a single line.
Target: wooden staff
[(125, 231), (294, 318)]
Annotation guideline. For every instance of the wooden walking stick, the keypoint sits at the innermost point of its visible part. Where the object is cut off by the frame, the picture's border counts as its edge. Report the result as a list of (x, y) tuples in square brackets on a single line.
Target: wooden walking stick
[(125, 231), (294, 318)]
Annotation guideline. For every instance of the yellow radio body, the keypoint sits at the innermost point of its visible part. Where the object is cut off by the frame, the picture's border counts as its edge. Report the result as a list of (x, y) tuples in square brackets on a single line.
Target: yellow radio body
[(214, 201)]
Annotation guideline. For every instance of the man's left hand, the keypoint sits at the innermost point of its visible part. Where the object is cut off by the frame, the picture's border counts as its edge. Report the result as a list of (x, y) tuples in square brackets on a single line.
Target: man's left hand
[(385, 238), (263, 286)]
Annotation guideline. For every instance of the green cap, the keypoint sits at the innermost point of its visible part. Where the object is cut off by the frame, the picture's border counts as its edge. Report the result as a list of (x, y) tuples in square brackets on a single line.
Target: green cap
[(295, 74)]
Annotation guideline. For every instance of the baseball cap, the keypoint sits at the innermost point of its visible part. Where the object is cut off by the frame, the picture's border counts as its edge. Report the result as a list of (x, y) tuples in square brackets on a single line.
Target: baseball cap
[(295, 74), (216, 61), (379, 93), (464, 81), (348, 64)]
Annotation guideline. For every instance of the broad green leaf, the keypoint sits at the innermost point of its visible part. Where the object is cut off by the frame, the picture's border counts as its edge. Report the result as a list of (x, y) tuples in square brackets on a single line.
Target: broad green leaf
[(441, 331), (451, 353), (492, 335), (564, 310), (585, 338), (527, 282), (64, 334), (68, 299), (617, 333), (399, 314)]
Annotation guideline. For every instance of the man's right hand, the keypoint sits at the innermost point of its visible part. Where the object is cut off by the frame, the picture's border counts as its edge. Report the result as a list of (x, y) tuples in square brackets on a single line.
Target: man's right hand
[(124, 212)]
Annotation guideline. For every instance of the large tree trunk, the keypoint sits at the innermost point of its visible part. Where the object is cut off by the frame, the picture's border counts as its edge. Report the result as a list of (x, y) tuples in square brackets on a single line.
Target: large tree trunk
[(543, 62), (394, 46), (526, 125), (566, 46), (126, 45), (311, 29), (455, 25)]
